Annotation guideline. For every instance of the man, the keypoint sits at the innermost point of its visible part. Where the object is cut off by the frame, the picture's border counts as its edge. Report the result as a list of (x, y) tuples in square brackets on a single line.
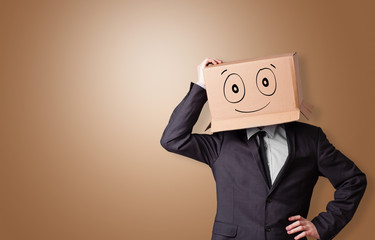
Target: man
[(258, 200)]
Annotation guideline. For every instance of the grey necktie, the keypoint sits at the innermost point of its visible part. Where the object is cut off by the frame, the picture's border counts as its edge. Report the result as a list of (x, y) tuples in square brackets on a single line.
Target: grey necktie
[(263, 156)]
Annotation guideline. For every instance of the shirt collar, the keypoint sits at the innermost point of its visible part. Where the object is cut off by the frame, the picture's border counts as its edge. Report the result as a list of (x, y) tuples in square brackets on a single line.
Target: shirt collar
[(270, 130)]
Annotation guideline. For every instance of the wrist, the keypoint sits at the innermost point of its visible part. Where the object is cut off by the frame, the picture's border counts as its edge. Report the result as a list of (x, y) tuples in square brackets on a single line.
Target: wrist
[(201, 84)]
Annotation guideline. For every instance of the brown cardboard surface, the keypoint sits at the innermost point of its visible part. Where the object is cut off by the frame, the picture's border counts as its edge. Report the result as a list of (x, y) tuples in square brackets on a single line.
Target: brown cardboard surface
[(254, 92)]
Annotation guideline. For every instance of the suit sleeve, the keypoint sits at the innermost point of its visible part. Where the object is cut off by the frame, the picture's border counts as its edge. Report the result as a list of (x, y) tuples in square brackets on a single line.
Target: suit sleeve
[(349, 182), (178, 137)]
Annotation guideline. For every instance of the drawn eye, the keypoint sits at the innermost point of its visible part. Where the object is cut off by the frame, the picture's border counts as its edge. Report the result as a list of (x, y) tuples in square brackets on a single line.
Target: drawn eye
[(266, 81), (234, 88)]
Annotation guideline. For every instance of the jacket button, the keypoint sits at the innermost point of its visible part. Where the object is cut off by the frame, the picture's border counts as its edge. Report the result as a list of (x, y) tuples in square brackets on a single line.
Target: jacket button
[(268, 229), (268, 200)]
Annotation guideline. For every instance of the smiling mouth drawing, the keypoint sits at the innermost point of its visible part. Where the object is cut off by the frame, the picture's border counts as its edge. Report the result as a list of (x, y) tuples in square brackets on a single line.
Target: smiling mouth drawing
[(252, 110)]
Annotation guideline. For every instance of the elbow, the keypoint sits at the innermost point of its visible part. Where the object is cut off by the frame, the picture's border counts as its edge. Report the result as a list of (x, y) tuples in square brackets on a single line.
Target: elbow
[(175, 145), (364, 182), (361, 184), (166, 144)]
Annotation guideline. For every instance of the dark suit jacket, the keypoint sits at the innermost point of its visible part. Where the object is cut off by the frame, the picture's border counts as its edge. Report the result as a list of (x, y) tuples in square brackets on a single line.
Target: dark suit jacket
[(246, 207)]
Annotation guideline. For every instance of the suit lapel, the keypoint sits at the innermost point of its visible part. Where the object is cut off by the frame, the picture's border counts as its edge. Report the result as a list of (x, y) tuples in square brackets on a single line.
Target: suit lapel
[(255, 153), (291, 139)]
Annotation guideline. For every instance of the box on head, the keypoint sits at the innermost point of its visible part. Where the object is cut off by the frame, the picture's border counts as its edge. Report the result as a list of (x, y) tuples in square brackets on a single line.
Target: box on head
[(255, 92)]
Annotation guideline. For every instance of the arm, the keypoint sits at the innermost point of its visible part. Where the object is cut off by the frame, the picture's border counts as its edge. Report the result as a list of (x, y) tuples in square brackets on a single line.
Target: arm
[(349, 182), (178, 136)]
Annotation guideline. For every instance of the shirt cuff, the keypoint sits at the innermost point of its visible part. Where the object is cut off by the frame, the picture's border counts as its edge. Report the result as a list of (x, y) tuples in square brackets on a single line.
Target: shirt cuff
[(200, 84)]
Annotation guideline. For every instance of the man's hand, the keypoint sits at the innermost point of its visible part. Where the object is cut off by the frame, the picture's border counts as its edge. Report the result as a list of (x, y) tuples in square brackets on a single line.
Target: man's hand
[(304, 225), (202, 66)]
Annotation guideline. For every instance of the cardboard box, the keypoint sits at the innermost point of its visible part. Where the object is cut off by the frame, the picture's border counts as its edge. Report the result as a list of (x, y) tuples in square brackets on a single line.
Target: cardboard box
[(254, 92)]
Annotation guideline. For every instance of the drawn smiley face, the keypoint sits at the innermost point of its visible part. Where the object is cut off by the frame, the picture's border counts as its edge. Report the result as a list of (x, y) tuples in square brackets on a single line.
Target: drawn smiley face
[(234, 88), (253, 92)]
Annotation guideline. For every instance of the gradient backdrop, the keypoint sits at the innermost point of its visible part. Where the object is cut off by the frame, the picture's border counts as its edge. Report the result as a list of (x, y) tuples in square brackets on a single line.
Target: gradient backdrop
[(87, 87)]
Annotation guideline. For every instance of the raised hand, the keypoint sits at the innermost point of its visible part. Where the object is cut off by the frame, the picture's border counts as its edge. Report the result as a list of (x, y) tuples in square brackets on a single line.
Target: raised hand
[(202, 66)]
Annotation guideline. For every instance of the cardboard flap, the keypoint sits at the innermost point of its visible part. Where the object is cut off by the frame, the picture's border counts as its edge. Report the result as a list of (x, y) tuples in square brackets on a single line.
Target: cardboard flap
[(306, 109)]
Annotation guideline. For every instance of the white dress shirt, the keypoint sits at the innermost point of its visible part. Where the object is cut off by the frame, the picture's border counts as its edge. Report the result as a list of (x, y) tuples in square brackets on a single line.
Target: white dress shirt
[(276, 147)]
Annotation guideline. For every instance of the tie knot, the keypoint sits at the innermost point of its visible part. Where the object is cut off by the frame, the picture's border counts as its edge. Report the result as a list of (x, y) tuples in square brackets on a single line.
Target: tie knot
[(261, 134)]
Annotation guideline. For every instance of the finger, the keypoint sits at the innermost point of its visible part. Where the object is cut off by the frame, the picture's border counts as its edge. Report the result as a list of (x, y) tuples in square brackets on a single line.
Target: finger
[(293, 218), (297, 229), (209, 61), (214, 61), (217, 60), (293, 225), (301, 235), (205, 62)]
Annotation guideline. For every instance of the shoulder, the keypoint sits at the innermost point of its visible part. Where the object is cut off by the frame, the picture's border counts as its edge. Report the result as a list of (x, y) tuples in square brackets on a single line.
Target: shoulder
[(305, 129), (302, 125), (231, 135)]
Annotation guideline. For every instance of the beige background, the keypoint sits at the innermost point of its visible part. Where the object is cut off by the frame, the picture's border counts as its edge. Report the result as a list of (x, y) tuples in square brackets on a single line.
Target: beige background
[(88, 87)]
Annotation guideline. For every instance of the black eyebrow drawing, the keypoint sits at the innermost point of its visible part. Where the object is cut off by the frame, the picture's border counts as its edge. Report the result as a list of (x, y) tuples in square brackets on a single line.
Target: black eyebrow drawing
[(223, 71), (273, 66)]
